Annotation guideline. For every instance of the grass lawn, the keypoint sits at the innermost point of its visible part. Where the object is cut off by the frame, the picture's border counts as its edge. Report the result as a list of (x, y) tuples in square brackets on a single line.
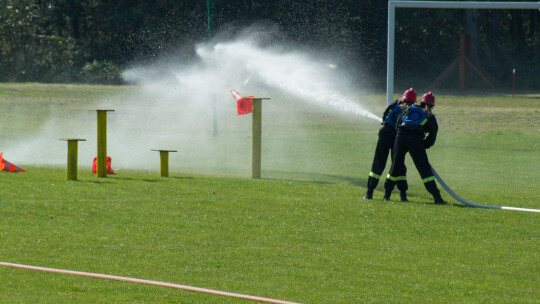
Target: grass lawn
[(301, 233)]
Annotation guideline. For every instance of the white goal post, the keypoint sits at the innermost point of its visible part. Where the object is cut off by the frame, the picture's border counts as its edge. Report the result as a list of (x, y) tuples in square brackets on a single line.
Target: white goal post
[(392, 5)]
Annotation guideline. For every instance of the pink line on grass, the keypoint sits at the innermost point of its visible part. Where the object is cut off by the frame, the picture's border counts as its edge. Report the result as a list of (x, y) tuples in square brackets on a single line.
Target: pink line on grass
[(148, 282)]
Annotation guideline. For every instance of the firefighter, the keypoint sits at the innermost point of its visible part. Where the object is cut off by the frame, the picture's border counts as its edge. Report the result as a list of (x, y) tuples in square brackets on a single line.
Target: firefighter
[(412, 127), (385, 144)]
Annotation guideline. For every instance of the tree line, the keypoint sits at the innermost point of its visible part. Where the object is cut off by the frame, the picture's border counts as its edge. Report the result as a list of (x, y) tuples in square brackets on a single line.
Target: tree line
[(92, 41)]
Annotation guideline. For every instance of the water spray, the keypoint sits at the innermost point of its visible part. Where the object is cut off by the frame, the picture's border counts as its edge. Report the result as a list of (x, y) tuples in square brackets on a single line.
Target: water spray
[(465, 202), (292, 72), (185, 98), (248, 79)]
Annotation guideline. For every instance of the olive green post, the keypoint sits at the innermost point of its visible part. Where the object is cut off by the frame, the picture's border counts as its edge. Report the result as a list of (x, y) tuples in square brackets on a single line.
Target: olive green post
[(164, 162), (102, 142), (256, 138), (256, 130), (72, 157)]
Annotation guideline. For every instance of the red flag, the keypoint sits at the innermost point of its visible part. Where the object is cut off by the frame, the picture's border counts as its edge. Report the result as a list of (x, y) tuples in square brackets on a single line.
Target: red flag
[(243, 105)]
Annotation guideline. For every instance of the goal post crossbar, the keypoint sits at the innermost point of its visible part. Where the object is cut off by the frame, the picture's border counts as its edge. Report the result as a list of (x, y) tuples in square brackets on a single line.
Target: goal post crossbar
[(392, 5)]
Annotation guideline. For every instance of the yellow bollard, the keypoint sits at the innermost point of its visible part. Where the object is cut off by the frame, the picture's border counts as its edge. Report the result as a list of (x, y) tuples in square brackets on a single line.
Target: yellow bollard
[(256, 138), (102, 142), (256, 142), (164, 161), (72, 157)]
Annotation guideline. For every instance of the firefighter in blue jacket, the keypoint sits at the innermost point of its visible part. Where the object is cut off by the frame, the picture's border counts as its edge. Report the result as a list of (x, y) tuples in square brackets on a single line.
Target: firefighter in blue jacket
[(385, 144), (412, 127)]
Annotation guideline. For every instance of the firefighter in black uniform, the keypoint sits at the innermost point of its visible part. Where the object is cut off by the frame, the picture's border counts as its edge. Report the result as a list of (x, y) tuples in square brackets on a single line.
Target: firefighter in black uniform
[(385, 144), (412, 127)]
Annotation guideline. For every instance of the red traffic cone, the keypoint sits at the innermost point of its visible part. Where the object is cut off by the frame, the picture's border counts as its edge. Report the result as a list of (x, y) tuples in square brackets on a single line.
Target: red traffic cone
[(7, 166), (109, 169), (243, 105)]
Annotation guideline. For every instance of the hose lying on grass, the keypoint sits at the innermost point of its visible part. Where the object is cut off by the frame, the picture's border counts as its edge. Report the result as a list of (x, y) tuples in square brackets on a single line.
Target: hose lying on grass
[(148, 282), (465, 202)]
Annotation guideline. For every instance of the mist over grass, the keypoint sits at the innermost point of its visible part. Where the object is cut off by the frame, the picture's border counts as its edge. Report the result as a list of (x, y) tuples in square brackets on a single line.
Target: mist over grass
[(186, 105)]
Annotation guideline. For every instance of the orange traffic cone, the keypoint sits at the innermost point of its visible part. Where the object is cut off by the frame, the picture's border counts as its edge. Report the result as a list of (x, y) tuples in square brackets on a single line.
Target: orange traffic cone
[(7, 166), (243, 105)]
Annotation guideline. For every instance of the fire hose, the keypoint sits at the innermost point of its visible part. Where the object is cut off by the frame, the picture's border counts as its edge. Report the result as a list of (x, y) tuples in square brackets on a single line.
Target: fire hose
[(465, 202)]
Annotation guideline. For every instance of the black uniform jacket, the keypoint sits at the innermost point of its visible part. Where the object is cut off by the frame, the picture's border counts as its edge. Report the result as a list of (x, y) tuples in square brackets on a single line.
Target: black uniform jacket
[(430, 128)]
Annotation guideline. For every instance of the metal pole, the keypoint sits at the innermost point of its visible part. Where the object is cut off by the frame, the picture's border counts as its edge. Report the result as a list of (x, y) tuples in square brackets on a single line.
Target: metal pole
[(214, 117), (164, 162), (210, 35), (390, 53), (513, 82), (102, 143), (256, 141), (210, 15), (72, 157), (466, 4), (71, 172)]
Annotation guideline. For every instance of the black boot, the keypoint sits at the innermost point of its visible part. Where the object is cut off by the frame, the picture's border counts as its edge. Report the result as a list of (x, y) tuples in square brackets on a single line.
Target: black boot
[(403, 187), (431, 187), (369, 194), (438, 199), (388, 188), (372, 183), (403, 196)]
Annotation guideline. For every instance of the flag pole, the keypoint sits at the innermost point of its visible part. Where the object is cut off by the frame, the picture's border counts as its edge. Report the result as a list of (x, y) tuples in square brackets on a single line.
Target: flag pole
[(210, 35)]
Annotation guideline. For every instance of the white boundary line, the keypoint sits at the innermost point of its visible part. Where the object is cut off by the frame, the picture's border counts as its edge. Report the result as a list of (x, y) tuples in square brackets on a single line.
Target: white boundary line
[(148, 282)]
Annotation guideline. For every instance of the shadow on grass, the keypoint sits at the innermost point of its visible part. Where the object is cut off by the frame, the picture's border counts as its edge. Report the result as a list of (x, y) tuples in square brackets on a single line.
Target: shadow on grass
[(158, 179), (419, 199), (182, 177), (121, 178), (92, 181), (316, 178), (107, 180)]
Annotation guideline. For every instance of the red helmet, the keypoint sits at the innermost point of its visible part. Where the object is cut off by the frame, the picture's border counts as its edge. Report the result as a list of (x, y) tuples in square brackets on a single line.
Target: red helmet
[(428, 99), (409, 96)]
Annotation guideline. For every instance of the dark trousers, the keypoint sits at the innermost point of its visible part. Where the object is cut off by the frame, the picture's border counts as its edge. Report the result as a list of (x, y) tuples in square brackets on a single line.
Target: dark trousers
[(411, 142), (385, 145)]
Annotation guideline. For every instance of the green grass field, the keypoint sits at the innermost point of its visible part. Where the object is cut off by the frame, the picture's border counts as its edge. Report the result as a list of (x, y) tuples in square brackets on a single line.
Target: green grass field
[(301, 233)]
